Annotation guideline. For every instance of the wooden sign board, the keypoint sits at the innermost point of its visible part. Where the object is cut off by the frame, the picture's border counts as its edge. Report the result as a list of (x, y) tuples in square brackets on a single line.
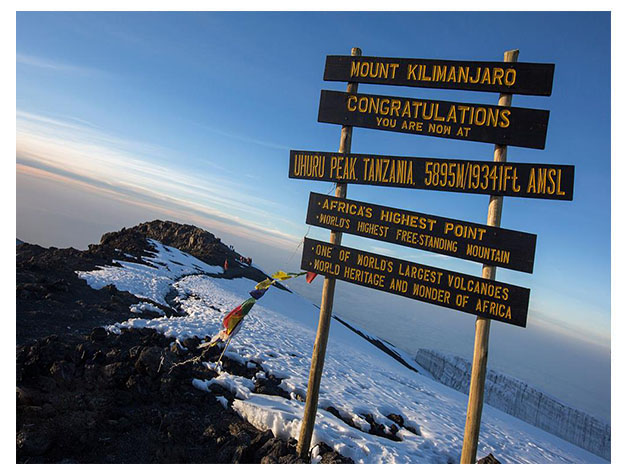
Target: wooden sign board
[(527, 180), (462, 239), (509, 78), (488, 298), (452, 120)]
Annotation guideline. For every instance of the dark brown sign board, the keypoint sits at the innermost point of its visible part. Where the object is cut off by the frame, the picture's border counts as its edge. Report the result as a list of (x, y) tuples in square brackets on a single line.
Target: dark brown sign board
[(488, 298), (527, 180), (453, 120), (462, 239), (510, 78)]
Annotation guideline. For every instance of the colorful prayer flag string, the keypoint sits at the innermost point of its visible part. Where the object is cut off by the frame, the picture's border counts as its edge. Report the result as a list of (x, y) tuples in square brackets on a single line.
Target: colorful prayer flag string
[(232, 323)]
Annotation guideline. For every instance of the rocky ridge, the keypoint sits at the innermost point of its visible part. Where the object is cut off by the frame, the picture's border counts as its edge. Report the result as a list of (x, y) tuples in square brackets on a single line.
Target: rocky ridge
[(128, 398), (88, 396)]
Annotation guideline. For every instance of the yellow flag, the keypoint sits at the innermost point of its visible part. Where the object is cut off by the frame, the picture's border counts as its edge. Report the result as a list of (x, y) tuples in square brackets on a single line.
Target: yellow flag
[(281, 275), (264, 284)]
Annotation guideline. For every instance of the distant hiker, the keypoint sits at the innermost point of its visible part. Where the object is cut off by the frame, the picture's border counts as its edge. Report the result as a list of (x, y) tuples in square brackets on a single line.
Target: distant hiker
[(226, 264)]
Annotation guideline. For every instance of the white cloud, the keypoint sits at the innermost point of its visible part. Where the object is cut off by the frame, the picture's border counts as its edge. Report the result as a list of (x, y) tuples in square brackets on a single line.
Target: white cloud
[(81, 152), (245, 139), (52, 65)]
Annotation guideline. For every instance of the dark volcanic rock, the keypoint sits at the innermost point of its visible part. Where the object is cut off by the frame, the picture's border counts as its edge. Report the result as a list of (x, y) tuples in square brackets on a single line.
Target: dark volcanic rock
[(270, 385), (379, 429), (128, 399), (328, 455), (195, 241), (51, 299), (33, 442), (98, 334), (398, 419), (149, 361), (488, 459), (191, 239), (84, 395)]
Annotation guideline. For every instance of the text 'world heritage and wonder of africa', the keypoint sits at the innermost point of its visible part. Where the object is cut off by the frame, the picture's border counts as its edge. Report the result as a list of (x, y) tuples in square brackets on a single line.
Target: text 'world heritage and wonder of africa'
[(504, 302)]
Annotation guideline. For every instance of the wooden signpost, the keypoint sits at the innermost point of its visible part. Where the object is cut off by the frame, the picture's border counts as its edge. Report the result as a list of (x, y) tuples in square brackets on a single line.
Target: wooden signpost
[(466, 293), (482, 324), (326, 308), (491, 76), (451, 237), (489, 244), (526, 180), (451, 120)]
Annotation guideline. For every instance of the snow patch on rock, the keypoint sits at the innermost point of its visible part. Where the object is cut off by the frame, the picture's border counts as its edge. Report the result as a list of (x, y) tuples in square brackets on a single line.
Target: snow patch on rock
[(150, 281), (359, 379)]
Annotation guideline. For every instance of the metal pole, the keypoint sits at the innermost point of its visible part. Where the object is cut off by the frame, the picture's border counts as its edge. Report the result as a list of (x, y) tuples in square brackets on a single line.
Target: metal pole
[(326, 308), (482, 324)]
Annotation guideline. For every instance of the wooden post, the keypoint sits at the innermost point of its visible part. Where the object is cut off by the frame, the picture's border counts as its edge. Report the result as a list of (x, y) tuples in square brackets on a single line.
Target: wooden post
[(326, 308), (482, 324)]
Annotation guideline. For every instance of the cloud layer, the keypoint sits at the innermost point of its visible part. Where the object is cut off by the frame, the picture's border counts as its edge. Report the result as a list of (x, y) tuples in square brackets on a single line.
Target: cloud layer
[(72, 150)]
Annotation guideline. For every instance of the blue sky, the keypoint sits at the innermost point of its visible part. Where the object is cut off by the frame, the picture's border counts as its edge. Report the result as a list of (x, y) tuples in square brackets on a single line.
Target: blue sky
[(190, 116)]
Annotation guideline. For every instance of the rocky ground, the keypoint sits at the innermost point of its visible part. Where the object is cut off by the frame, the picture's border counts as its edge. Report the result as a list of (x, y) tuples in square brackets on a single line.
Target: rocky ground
[(128, 398), (87, 396), (51, 299)]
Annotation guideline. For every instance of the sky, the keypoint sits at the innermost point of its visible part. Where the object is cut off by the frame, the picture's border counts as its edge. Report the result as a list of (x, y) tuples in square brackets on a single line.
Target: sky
[(127, 117)]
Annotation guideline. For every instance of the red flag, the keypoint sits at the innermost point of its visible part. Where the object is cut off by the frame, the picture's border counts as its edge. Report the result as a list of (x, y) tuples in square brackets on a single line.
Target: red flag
[(310, 277)]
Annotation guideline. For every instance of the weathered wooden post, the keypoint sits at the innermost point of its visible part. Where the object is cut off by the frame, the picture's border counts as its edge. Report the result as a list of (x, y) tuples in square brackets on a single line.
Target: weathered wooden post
[(482, 324), (326, 308), (483, 297)]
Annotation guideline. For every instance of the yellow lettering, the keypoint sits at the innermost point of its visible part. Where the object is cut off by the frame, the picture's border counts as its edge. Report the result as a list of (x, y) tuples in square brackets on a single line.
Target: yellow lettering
[(411, 71), (350, 104)]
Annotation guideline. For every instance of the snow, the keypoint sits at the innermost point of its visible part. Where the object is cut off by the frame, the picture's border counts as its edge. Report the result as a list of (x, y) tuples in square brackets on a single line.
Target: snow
[(238, 385), (222, 400), (522, 401), (151, 281), (358, 378), (145, 307), (315, 454)]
